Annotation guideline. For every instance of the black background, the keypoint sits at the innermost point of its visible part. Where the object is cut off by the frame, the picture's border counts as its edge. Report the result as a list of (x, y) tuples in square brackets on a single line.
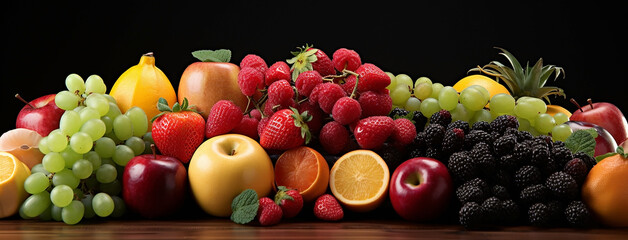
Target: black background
[(44, 42)]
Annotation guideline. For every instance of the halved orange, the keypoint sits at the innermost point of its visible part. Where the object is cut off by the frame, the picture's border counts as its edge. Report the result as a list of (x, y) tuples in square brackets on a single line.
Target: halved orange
[(304, 169), (359, 180), (13, 173), (24, 144)]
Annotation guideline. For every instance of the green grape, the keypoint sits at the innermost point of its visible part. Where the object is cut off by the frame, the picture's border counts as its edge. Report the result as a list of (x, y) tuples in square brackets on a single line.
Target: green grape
[(70, 122), (485, 93), (136, 144), (95, 84), (106, 173), (108, 124), (110, 99), (524, 124), (107, 161), (95, 128), (429, 106), (73, 212), (53, 162), (105, 147), (561, 132), (22, 214), (97, 102), (93, 158), (502, 103), (87, 114), (399, 96), (61, 195), (560, 118), (461, 113), (55, 213), (103, 204), (525, 110), (473, 99), (122, 155), (423, 90), (113, 137), (47, 214), (78, 109), (87, 203), (119, 207), (43, 145), (393, 81), (70, 157), (436, 87), (57, 141), (404, 80), (114, 111), (422, 80), (544, 123), (82, 169), (481, 115), (67, 100), (413, 104), (112, 188), (36, 183), (75, 84), (39, 168), (139, 120), (36, 204), (122, 127), (81, 142), (65, 177), (538, 105), (448, 98), (148, 140)]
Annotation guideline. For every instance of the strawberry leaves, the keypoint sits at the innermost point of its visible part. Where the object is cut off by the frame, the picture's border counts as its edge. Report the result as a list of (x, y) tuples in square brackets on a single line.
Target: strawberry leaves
[(300, 121), (302, 60), (162, 105)]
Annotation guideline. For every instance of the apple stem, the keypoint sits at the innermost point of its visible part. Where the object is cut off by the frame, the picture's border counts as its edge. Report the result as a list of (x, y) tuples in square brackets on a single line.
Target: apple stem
[(17, 95), (152, 147), (576, 103), (590, 103)]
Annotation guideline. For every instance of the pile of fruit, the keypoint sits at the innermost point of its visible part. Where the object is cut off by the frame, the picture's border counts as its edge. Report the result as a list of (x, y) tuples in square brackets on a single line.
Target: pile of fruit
[(261, 142)]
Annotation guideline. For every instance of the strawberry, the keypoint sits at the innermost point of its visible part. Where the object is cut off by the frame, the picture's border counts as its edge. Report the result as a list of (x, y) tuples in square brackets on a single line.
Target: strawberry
[(308, 58), (268, 213), (278, 71), (323, 64), (223, 117), (403, 132), (247, 127), (290, 201), (286, 129), (346, 110), (346, 59), (372, 78), (327, 208), (372, 132), (334, 137), (375, 103), (316, 123), (177, 132)]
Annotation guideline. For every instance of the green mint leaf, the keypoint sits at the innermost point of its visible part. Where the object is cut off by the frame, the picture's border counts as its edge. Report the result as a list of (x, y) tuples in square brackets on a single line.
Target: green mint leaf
[(582, 141), (244, 207), (220, 55)]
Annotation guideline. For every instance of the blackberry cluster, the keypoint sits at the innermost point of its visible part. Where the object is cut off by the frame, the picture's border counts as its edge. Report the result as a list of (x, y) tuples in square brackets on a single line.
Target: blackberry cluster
[(503, 176)]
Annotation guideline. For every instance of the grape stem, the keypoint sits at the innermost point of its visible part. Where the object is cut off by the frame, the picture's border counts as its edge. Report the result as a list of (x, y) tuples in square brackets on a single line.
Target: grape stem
[(17, 95)]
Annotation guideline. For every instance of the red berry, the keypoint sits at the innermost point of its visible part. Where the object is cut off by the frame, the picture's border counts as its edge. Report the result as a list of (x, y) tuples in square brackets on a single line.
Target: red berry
[(290, 201), (265, 201), (306, 81), (280, 92), (346, 110), (178, 132), (327, 208), (223, 117), (323, 64), (349, 85), (268, 213), (372, 78), (254, 61), (255, 113), (375, 103), (404, 132), (286, 128), (334, 137), (326, 95), (372, 132), (346, 59), (317, 114), (247, 127), (278, 71), (249, 80), (261, 125)]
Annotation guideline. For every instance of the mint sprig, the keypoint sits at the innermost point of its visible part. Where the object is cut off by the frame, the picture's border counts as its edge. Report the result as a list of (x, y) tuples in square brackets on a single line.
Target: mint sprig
[(244, 207), (582, 141)]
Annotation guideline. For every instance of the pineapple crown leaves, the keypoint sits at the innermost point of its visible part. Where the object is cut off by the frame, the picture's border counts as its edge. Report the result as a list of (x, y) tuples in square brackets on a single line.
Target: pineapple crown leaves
[(302, 60), (300, 120), (528, 81), (162, 105)]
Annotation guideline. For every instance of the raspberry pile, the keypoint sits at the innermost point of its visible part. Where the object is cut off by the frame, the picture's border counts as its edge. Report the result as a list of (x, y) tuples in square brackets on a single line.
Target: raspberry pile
[(503, 176)]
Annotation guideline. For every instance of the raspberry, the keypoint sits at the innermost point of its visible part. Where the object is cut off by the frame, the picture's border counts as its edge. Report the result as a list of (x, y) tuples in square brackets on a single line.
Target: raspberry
[(326, 95), (247, 127), (316, 123), (372, 78), (323, 64), (306, 81), (223, 117), (255, 113), (249, 80), (375, 103), (527, 175), (278, 71), (372, 132), (280, 92), (334, 137), (346, 110), (562, 185), (348, 85), (403, 132), (346, 59), (442, 117), (254, 61)]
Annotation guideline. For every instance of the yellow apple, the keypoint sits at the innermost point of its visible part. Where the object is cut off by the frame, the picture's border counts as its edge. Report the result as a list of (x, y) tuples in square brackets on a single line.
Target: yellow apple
[(224, 166)]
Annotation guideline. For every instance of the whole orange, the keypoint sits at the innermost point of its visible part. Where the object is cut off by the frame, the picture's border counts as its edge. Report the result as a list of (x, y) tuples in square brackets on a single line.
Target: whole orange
[(605, 191)]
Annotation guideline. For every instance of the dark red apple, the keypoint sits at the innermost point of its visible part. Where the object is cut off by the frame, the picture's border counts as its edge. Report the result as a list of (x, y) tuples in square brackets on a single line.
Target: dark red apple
[(154, 186), (605, 115), (40, 115), (420, 189), (604, 141)]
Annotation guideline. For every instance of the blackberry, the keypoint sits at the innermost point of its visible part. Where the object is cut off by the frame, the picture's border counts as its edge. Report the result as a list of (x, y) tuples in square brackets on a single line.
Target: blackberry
[(471, 215), (434, 134), (544, 140), (435, 153), (453, 140), (492, 210), (551, 166), (459, 124), (500, 192), (419, 141), (391, 156), (442, 117), (578, 169), (507, 162), (561, 154), (556, 210), (476, 136), (539, 214), (511, 211), (577, 214), (562, 185), (522, 152), (398, 112), (503, 122), (533, 194), (470, 194), (416, 152), (504, 144), (461, 166), (588, 160), (527, 175), (502, 177), (419, 121), (481, 125), (483, 157), (540, 154), (524, 136)]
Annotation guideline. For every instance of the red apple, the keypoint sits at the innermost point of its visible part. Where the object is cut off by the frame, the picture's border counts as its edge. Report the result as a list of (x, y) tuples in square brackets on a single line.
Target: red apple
[(154, 185), (604, 141), (41, 115), (420, 189), (605, 115)]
